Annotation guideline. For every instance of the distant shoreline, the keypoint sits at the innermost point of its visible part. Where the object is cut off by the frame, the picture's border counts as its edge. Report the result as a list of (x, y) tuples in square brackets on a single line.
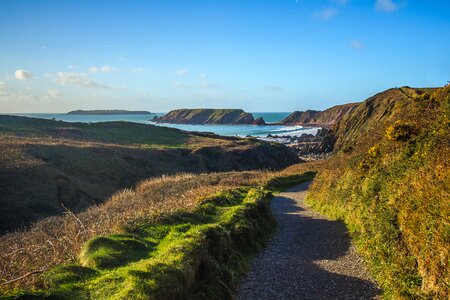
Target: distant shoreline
[(108, 112)]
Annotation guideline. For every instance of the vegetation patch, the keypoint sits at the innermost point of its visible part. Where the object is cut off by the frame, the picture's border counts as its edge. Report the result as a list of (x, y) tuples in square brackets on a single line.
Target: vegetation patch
[(396, 202), (190, 255)]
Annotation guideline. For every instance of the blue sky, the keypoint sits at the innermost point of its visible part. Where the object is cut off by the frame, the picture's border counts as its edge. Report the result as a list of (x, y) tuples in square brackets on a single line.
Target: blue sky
[(278, 55)]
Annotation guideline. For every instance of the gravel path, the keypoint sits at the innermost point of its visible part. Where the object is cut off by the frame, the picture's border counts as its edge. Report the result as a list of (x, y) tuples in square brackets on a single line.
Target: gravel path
[(309, 257)]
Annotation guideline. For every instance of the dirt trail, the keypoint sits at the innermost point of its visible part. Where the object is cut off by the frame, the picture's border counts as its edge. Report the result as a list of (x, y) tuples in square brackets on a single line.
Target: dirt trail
[(309, 257)]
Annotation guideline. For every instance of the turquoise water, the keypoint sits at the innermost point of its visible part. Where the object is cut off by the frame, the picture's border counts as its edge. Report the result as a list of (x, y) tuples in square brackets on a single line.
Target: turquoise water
[(230, 130)]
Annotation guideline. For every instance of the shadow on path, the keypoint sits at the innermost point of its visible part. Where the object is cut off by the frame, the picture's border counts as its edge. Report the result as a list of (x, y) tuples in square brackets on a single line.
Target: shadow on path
[(309, 257)]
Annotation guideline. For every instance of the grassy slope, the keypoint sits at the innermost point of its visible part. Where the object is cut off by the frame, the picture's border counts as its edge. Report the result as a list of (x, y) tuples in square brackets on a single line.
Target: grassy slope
[(390, 183), (327, 118), (198, 255), (45, 163), (207, 116)]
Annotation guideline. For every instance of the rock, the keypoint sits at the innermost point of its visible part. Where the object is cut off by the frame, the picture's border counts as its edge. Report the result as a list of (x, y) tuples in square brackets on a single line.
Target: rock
[(259, 121)]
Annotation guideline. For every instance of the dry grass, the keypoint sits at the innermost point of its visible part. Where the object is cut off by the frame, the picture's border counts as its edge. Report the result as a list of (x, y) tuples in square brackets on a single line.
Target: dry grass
[(393, 193), (57, 240)]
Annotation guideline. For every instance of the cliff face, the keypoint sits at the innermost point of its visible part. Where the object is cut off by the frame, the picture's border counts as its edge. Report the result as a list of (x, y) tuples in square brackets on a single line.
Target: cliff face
[(366, 123), (326, 118), (208, 116)]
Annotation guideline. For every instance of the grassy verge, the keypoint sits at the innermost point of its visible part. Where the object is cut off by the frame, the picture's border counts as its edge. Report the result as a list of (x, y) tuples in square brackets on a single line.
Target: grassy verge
[(394, 198), (190, 255)]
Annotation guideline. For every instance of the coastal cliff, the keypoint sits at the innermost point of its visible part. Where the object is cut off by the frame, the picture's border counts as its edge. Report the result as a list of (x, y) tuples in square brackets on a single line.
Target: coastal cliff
[(326, 118), (208, 116)]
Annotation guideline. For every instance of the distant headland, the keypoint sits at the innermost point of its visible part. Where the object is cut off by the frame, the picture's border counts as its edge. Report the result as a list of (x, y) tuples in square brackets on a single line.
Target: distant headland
[(108, 112), (209, 116)]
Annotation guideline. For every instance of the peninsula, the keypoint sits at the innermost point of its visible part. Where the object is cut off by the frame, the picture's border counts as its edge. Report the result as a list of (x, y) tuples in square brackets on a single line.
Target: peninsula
[(209, 116)]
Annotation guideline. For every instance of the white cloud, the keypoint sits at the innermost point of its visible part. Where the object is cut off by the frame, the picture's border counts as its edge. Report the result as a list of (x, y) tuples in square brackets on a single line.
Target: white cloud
[(138, 70), (72, 67), (108, 69), (274, 88), (386, 5), (54, 93), (104, 69), (2, 85), (23, 75), (325, 14), (357, 45), (203, 76), (182, 72), (69, 78)]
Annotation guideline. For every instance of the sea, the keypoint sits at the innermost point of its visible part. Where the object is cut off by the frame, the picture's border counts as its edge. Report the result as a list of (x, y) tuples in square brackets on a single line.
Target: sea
[(228, 130)]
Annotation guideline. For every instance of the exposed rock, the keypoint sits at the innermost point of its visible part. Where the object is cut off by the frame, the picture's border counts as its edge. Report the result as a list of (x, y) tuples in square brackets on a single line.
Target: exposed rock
[(326, 118), (208, 116), (259, 121)]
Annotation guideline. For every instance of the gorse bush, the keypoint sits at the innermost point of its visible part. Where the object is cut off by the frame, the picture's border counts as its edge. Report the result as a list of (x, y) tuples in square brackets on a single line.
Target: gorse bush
[(400, 131), (397, 205)]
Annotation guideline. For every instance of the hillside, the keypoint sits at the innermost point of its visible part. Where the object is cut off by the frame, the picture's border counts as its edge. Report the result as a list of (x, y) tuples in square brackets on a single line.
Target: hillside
[(208, 116), (49, 166), (389, 181), (326, 118), (108, 112), (192, 235)]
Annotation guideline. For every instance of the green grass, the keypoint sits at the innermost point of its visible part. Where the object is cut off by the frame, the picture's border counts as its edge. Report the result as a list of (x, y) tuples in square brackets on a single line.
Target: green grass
[(126, 133), (198, 255), (393, 195), (280, 183)]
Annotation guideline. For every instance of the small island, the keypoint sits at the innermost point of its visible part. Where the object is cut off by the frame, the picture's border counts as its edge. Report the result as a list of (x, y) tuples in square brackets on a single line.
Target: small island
[(108, 112), (209, 116)]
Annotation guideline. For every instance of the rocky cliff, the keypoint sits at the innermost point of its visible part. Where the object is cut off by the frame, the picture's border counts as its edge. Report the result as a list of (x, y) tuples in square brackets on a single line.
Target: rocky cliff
[(208, 116), (326, 118)]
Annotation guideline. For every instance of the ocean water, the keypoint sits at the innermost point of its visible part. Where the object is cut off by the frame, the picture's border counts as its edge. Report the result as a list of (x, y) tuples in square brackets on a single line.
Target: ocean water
[(229, 130)]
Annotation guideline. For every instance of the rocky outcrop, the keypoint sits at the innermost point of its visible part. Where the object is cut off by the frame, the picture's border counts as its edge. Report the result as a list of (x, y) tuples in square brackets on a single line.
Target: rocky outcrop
[(259, 121), (208, 116), (326, 118)]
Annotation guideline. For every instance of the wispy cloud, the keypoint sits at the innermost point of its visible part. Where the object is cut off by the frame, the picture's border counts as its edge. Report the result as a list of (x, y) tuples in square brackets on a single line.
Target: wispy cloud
[(2, 85), (357, 45), (274, 88), (53, 95), (138, 70), (325, 14), (104, 69), (79, 79), (23, 75), (387, 5), (182, 72)]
